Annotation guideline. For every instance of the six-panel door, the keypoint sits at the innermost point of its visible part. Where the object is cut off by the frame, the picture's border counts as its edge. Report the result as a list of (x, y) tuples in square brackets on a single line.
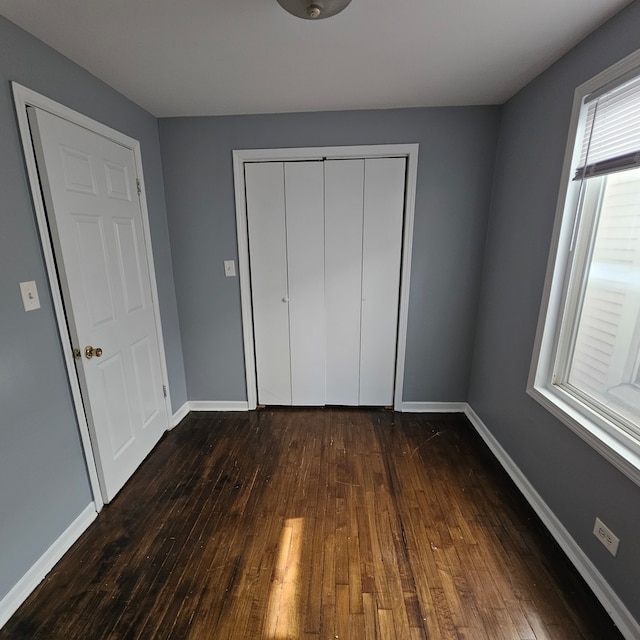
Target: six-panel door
[(89, 186)]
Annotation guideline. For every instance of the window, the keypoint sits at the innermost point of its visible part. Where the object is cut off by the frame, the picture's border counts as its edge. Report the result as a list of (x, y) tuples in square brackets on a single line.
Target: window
[(586, 365)]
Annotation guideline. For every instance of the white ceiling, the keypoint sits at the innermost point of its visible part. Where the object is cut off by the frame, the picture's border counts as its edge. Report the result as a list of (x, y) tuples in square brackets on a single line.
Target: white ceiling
[(213, 57)]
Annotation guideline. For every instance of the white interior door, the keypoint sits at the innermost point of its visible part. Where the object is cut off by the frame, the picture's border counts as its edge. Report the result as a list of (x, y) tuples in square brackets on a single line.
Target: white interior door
[(269, 286), (384, 184), (344, 193), (89, 187)]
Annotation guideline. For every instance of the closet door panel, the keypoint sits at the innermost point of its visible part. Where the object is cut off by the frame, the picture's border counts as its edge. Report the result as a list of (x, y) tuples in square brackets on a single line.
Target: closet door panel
[(344, 181), (304, 205), (269, 289), (382, 245)]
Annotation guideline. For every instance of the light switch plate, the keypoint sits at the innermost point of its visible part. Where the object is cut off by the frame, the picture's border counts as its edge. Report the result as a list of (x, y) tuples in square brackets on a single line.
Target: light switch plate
[(229, 268), (30, 297)]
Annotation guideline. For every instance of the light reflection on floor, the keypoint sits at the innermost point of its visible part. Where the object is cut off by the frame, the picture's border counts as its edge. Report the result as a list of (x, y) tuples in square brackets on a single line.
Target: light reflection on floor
[(282, 621)]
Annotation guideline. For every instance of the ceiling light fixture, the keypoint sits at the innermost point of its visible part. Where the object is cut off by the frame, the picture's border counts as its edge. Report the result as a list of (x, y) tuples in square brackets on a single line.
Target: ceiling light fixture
[(313, 9)]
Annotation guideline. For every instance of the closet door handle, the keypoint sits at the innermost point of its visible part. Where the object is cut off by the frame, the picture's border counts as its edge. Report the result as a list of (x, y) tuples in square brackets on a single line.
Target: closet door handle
[(285, 299)]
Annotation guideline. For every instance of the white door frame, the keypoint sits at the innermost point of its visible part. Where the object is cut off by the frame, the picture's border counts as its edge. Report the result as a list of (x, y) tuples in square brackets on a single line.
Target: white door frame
[(408, 151), (24, 98)]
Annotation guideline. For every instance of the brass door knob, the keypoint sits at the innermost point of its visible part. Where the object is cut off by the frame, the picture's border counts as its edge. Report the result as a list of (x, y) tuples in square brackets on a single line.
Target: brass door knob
[(89, 352)]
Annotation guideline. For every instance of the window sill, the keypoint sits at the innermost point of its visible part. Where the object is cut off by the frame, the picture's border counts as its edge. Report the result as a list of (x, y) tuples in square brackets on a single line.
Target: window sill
[(619, 449), (628, 395)]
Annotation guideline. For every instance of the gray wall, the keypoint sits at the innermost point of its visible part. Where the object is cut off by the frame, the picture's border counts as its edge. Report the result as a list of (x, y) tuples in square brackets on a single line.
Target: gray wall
[(43, 478), (571, 477), (457, 148)]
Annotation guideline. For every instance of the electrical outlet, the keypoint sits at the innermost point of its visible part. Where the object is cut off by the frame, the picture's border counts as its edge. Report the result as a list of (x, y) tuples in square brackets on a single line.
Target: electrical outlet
[(606, 536)]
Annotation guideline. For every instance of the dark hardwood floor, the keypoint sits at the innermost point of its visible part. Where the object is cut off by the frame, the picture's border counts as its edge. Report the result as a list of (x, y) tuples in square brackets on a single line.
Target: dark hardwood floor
[(315, 524)]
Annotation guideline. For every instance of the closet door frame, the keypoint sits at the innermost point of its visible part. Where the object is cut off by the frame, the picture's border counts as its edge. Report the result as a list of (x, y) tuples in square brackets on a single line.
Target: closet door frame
[(242, 156)]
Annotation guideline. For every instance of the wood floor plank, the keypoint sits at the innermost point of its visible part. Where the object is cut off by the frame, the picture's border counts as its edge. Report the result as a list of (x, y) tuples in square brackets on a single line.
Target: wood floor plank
[(315, 524), (387, 625), (370, 616)]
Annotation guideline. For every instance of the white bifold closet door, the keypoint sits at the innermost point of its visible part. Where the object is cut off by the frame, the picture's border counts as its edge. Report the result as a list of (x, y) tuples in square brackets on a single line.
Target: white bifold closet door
[(286, 242), (364, 205), (381, 258), (344, 214), (304, 213), (325, 244)]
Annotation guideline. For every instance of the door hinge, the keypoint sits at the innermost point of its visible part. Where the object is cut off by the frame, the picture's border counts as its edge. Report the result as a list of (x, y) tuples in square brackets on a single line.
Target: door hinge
[(164, 390), (139, 186)]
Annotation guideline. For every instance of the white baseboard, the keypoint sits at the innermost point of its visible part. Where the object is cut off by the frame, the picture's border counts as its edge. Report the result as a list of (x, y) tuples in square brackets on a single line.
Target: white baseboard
[(621, 616), (433, 407), (179, 415), (23, 589), (206, 405), (214, 405)]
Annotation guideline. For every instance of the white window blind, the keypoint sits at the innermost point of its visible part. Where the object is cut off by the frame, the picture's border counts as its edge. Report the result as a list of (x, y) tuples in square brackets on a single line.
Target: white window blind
[(612, 132)]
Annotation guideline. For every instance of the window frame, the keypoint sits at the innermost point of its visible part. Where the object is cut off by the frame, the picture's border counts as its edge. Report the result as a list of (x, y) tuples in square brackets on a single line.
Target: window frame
[(558, 306)]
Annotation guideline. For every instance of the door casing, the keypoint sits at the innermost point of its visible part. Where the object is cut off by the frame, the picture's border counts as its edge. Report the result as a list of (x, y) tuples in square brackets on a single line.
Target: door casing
[(24, 97), (408, 151)]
